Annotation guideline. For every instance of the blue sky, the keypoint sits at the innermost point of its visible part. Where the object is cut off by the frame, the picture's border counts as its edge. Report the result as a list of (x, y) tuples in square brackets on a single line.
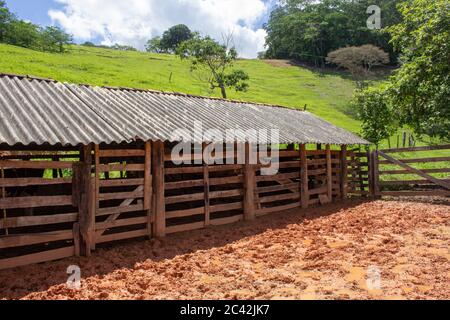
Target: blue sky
[(33, 10), (133, 22)]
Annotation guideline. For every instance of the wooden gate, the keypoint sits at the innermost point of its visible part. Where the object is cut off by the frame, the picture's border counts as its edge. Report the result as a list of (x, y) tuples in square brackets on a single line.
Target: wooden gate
[(122, 194), (406, 172)]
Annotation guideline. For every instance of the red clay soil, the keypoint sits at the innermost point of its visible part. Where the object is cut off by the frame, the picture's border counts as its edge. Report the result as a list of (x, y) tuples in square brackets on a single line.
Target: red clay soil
[(324, 254)]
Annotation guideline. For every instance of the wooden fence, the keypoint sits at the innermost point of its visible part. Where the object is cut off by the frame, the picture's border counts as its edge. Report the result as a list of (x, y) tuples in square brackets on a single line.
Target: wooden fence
[(406, 172), (38, 218), (64, 202)]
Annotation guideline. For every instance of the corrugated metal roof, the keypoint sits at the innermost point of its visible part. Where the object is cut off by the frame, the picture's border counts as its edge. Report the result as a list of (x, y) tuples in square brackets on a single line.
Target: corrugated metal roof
[(44, 111)]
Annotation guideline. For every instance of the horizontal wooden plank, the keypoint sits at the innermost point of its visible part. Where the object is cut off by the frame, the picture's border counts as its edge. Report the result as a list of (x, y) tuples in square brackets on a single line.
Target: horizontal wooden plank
[(122, 236), (321, 190), (226, 207), (426, 148), (25, 182), (21, 240), (408, 182), (395, 172), (359, 192), (225, 167), (118, 210), (121, 153), (185, 198), (317, 172), (18, 222), (225, 221), (6, 164), (185, 227), (34, 202), (278, 209), (226, 180), (121, 182), (226, 194), (40, 257), (280, 197), (419, 160), (121, 195), (281, 176), (185, 213), (183, 184), (121, 223), (120, 167), (181, 170), (278, 188)]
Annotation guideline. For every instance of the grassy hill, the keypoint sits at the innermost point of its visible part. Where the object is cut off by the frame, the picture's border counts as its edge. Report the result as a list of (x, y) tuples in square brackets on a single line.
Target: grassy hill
[(274, 82)]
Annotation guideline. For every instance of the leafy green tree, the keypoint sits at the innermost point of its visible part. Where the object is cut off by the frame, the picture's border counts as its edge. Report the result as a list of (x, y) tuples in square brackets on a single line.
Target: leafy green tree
[(6, 17), (173, 37), (23, 34), (54, 39), (213, 62), (420, 89), (154, 45), (88, 44), (376, 113), (123, 47), (308, 30)]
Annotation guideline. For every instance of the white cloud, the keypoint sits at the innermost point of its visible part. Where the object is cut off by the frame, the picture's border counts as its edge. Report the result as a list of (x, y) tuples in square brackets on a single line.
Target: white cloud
[(133, 22)]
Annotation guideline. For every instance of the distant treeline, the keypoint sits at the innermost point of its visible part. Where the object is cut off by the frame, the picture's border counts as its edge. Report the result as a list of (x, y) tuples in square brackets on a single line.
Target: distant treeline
[(113, 47), (308, 31), (28, 35)]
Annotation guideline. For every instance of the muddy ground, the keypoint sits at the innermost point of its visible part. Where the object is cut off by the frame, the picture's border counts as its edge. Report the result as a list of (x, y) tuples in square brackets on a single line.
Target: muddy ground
[(355, 250)]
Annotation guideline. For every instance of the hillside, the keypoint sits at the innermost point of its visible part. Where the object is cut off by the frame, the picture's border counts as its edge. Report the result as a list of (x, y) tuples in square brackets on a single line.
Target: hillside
[(273, 82)]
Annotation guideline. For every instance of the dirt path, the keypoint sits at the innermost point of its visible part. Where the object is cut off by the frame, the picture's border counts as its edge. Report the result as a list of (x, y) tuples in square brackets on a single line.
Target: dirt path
[(326, 254)]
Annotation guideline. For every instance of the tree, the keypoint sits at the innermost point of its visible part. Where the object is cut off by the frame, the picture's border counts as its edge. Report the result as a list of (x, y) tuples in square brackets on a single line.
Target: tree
[(359, 60), (376, 113), (23, 34), (123, 47), (54, 39), (308, 30), (212, 61), (420, 89), (173, 37), (6, 17), (88, 44), (154, 45)]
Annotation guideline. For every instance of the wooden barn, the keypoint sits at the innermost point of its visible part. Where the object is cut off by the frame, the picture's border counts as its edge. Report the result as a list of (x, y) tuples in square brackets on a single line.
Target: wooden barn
[(82, 166)]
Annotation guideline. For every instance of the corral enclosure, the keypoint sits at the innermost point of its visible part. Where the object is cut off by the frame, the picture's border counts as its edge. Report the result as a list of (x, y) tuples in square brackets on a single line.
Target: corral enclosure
[(83, 167), (61, 203)]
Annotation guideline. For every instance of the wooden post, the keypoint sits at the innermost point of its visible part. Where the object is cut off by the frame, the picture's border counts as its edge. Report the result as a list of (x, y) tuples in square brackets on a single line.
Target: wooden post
[(376, 175), (329, 174), (3, 195), (159, 206), (206, 187), (249, 185), (304, 178), (206, 190), (83, 198), (344, 173), (96, 186), (370, 160), (76, 238), (148, 193)]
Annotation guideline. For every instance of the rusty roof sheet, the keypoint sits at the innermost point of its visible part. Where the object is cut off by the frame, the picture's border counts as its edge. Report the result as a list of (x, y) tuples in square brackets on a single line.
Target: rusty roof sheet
[(34, 110)]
